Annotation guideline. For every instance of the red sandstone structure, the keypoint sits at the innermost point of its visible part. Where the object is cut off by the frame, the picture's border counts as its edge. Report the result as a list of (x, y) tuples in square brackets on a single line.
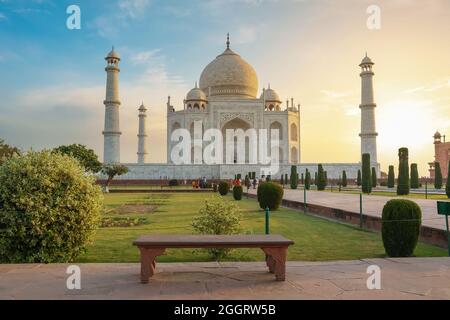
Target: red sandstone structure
[(441, 155)]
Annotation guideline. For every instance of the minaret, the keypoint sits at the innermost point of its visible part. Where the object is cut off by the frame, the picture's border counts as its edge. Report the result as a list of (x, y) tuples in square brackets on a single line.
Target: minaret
[(142, 135), (368, 126), (112, 132)]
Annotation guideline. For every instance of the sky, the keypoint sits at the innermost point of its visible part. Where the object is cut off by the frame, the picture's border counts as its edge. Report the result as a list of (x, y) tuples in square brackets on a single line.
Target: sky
[(52, 79)]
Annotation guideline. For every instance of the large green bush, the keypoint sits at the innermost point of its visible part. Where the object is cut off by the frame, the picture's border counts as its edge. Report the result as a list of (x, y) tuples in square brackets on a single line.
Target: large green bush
[(401, 221), (87, 157), (237, 192), (49, 208), (218, 217), (270, 195), (224, 187)]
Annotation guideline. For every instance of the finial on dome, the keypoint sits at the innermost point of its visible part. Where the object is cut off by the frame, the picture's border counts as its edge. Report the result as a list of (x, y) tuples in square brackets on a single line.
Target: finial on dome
[(228, 40), (196, 85), (269, 86)]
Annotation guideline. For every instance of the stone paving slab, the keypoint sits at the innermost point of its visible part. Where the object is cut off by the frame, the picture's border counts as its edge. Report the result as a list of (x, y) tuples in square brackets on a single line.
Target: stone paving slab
[(372, 205), (412, 278)]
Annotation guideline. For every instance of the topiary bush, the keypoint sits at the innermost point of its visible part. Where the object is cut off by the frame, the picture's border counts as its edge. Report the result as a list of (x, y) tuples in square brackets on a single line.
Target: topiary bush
[(401, 221), (403, 183), (218, 216), (270, 195), (237, 193), (224, 187), (49, 208), (174, 183), (391, 178)]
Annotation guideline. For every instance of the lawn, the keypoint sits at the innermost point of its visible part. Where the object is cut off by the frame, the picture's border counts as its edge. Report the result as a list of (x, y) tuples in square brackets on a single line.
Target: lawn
[(171, 213)]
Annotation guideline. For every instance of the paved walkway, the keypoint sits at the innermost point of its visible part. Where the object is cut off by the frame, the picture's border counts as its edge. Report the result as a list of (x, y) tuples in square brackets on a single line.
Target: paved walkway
[(416, 278), (372, 205)]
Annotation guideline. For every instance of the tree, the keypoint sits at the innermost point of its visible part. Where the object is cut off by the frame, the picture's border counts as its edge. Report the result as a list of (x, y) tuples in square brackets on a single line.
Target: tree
[(344, 179), (414, 176), (294, 177), (307, 180), (321, 182), (282, 180), (86, 157), (303, 179), (359, 179), (112, 171), (286, 179), (49, 208), (403, 172), (391, 178), (374, 178), (447, 185), (437, 175), (7, 151), (366, 181)]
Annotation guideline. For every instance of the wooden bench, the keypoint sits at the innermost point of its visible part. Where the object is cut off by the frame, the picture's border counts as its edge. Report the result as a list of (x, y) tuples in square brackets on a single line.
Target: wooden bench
[(274, 246)]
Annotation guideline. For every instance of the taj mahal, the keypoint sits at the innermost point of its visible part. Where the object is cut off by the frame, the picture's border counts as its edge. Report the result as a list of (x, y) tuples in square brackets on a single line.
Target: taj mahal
[(227, 97)]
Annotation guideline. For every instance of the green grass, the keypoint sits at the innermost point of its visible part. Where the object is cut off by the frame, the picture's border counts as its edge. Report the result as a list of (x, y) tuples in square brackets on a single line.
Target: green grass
[(315, 239)]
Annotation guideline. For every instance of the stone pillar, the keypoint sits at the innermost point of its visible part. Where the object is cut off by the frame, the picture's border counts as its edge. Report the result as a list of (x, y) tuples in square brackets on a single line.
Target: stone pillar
[(368, 125), (112, 132), (142, 136)]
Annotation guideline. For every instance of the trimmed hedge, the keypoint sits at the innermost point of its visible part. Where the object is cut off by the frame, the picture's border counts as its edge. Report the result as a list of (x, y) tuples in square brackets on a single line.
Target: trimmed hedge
[(437, 176), (237, 193), (401, 221), (414, 176), (391, 178), (174, 183), (294, 178), (366, 174), (224, 187), (270, 195), (403, 172)]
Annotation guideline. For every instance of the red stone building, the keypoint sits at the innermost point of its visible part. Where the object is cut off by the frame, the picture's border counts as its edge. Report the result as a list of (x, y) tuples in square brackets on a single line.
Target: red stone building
[(441, 154)]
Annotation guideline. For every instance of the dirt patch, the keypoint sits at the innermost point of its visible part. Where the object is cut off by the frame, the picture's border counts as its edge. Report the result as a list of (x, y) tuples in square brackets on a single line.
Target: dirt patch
[(134, 209)]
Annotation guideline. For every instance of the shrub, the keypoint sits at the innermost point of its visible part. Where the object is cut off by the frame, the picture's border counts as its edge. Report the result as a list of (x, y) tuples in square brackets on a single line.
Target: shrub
[(214, 187), (174, 183), (237, 192), (344, 179), (112, 171), (447, 185), (294, 177), (437, 175), (359, 179), (270, 195), (403, 172), (366, 175), (7, 151), (414, 176), (302, 179), (321, 182), (391, 178), (224, 187), (49, 208), (217, 217), (307, 180), (374, 178), (401, 221)]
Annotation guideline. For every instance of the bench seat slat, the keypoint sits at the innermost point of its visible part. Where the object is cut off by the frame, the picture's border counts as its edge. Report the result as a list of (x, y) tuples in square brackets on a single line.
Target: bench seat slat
[(212, 241)]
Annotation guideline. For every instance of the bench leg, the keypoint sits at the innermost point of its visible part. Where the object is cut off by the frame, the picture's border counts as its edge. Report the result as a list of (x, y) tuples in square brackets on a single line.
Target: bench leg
[(148, 262), (276, 261)]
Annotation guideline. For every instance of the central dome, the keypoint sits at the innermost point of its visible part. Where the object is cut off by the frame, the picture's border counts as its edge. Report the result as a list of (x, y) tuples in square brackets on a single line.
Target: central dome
[(229, 75)]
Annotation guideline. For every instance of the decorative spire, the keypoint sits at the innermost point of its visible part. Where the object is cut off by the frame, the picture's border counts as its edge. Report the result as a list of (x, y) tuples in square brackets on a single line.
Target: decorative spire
[(228, 40), (196, 86), (269, 86)]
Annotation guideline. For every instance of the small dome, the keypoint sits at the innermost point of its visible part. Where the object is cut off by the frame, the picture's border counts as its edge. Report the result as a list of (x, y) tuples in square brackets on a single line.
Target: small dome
[(367, 60), (196, 94), (271, 95), (113, 54)]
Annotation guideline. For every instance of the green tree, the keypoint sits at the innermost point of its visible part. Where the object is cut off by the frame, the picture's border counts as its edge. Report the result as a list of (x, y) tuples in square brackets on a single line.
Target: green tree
[(374, 178), (307, 180), (414, 176), (286, 179), (447, 185), (321, 182), (325, 174), (403, 172), (344, 179), (437, 175), (303, 179), (86, 157), (49, 208), (111, 171), (282, 180), (366, 181), (7, 151), (359, 179), (294, 177), (391, 178)]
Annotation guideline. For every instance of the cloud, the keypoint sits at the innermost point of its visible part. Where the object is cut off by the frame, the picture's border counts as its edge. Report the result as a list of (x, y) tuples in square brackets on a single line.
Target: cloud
[(335, 95), (133, 8), (145, 56), (3, 16), (437, 85)]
